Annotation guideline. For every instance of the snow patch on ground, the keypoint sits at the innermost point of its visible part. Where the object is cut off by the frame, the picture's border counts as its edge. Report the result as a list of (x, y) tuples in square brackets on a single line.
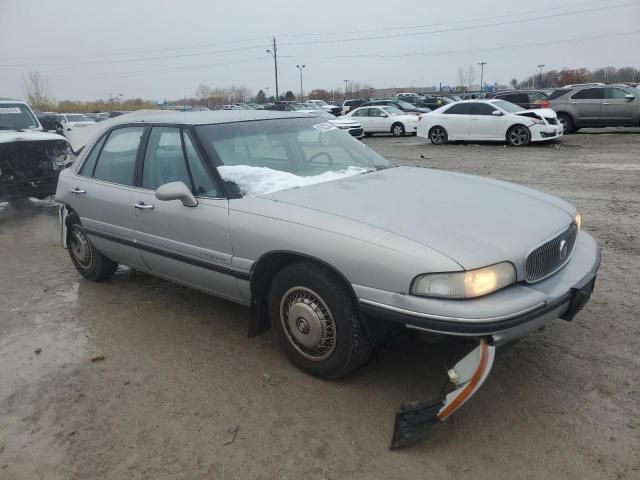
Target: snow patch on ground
[(263, 180)]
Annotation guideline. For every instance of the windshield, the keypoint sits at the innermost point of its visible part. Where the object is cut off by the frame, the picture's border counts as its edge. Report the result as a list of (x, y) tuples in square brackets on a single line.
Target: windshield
[(319, 102), (78, 118), (404, 105), (393, 111), (265, 156), (16, 116), (300, 107), (508, 106)]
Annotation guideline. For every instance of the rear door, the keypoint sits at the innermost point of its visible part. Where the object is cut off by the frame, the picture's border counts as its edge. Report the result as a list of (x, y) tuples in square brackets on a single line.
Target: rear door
[(363, 116), (587, 104), (456, 120), (616, 108), (484, 125), (190, 245)]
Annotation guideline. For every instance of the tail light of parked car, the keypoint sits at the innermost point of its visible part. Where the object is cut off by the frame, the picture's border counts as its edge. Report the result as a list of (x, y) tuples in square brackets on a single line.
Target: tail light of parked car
[(545, 103)]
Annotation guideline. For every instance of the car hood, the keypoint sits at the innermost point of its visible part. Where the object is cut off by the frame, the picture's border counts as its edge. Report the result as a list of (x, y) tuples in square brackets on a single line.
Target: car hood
[(475, 221), (27, 136), (544, 112)]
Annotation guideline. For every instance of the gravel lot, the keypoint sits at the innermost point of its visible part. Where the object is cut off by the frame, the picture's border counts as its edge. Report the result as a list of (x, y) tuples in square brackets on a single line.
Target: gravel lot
[(179, 376)]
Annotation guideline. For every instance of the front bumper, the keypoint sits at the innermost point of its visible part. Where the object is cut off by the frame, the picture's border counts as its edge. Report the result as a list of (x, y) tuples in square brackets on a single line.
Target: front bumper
[(505, 315), (541, 133), (35, 187)]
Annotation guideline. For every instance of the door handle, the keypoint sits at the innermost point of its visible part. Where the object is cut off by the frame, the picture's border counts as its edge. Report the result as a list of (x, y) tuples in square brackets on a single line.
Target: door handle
[(606, 103), (78, 191), (142, 206)]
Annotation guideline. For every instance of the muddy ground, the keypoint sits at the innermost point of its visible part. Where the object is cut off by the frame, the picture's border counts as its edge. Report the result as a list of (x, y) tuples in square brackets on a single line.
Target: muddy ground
[(179, 375)]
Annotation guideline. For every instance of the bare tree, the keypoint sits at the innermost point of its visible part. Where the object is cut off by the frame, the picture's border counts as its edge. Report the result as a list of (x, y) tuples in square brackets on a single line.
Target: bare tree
[(203, 93), (462, 77), (36, 90), (471, 75)]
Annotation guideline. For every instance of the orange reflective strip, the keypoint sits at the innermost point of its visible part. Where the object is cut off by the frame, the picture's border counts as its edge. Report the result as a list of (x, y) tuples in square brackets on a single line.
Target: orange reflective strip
[(469, 387)]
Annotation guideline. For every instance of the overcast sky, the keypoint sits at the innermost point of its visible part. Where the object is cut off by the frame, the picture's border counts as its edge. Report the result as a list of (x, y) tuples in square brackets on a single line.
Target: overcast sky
[(158, 49)]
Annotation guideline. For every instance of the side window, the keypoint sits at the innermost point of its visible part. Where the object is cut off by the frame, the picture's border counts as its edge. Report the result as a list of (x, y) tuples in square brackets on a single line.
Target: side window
[(363, 112), (204, 186), (459, 109), (375, 112), (117, 160), (90, 163), (164, 160), (615, 93), (482, 109), (536, 98), (588, 94)]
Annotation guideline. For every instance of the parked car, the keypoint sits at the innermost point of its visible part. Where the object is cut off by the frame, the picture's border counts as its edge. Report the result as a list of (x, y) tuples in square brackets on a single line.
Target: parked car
[(344, 123), (324, 242), (399, 104), (412, 98), (385, 119), (434, 102), (492, 120), (333, 109), (352, 104), (30, 159), (596, 106), (50, 122), (70, 121), (524, 98)]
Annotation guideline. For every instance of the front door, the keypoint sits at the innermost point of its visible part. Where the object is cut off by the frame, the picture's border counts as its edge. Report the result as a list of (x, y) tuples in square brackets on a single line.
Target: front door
[(616, 108), (484, 125), (190, 245), (587, 104), (362, 115)]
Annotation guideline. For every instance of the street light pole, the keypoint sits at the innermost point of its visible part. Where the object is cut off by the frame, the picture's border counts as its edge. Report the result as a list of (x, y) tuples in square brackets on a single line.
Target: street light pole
[(300, 67), (274, 53), (346, 82), (541, 66), (482, 64)]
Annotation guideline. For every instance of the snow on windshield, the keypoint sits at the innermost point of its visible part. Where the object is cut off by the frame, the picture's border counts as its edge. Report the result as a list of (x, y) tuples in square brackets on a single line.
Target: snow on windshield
[(263, 180)]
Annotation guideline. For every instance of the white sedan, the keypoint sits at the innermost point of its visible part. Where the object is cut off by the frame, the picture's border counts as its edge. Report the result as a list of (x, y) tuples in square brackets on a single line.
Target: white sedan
[(491, 120), (70, 121), (385, 119)]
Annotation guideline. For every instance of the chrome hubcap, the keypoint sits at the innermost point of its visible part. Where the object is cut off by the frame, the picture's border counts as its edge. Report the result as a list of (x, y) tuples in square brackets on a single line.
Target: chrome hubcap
[(397, 130), (437, 135), (308, 323), (80, 247), (518, 136)]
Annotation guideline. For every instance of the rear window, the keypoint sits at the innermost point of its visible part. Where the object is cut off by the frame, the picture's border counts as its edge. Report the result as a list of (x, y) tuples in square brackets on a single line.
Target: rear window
[(559, 93)]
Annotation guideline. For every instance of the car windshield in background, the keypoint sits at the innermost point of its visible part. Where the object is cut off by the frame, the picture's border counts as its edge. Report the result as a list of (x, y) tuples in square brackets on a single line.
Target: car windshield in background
[(266, 156), (404, 104), (508, 106), (78, 118), (14, 116), (393, 111)]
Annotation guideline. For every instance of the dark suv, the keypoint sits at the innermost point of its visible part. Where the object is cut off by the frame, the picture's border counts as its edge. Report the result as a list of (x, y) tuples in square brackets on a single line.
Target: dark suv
[(526, 99), (398, 103), (596, 106)]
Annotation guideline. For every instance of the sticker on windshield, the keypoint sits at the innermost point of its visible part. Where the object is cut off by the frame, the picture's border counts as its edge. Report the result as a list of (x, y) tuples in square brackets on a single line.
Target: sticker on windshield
[(9, 110), (324, 127)]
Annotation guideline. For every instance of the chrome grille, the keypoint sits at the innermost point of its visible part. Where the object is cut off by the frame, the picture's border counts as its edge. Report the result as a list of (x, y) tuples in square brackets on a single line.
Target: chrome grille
[(552, 255), (551, 120)]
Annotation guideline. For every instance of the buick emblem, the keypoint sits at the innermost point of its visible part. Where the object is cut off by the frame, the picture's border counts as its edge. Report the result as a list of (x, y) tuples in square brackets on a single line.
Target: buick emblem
[(563, 249)]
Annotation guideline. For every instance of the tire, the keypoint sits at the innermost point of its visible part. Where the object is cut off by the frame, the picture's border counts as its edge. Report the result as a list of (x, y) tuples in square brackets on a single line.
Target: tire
[(438, 135), (316, 321), (397, 130), (518, 136), (567, 123), (89, 262), (368, 134)]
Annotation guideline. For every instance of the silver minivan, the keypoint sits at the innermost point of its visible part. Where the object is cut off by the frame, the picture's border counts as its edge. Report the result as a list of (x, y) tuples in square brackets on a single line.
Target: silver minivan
[(596, 106)]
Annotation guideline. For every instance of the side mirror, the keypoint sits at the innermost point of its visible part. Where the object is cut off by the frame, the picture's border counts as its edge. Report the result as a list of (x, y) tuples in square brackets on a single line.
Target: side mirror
[(629, 96), (176, 191), (497, 113)]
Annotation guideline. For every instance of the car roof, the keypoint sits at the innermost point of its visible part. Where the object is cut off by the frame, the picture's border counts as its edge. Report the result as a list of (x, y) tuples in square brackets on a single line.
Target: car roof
[(201, 117), (8, 100)]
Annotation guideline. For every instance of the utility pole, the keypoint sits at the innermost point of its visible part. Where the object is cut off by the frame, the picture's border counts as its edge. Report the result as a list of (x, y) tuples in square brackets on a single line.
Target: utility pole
[(482, 64), (300, 67), (346, 82), (541, 66), (274, 53)]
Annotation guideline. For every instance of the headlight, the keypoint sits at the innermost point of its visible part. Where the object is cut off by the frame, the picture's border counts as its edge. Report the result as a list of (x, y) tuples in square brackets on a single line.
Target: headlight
[(578, 220), (536, 120), (469, 284)]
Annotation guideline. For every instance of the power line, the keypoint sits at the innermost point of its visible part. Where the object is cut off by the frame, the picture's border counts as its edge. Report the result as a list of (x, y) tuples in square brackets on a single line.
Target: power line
[(457, 29)]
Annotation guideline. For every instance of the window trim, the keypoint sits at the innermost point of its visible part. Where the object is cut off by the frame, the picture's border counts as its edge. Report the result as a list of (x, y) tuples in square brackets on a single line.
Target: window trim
[(573, 97)]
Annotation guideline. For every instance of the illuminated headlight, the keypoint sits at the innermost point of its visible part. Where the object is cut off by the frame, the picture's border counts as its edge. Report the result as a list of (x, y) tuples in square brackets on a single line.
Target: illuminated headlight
[(578, 220), (469, 284)]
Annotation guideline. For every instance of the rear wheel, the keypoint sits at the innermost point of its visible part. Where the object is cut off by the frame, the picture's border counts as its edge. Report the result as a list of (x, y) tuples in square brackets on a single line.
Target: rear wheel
[(438, 135), (567, 123), (397, 129), (89, 262), (316, 321), (518, 136)]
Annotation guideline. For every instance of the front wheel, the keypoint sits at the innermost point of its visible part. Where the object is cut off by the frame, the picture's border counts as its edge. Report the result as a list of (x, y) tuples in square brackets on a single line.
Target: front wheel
[(316, 321), (397, 130), (567, 123), (518, 136), (89, 262)]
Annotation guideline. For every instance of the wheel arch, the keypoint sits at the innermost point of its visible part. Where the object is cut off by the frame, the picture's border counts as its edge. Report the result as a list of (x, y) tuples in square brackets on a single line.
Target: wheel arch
[(265, 269)]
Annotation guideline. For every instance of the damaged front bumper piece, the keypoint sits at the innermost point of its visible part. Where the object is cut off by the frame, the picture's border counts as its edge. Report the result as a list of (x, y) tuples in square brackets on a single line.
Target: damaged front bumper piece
[(415, 420)]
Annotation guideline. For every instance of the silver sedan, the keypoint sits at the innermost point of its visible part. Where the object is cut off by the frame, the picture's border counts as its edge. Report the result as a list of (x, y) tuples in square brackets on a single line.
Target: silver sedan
[(324, 240)]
